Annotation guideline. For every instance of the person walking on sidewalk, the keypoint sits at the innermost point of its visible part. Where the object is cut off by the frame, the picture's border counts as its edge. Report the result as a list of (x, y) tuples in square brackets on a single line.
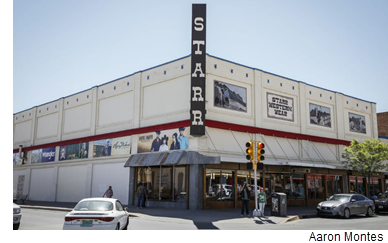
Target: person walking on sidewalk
[(141, 192), (245, 197), (109, 192), (262, 200)]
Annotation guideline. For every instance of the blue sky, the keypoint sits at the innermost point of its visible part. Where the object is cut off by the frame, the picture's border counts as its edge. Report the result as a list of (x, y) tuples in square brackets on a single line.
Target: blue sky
[(63, 47)]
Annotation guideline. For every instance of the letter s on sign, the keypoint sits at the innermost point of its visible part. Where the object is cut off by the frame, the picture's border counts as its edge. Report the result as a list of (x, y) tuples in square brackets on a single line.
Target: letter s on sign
[(196, 20)]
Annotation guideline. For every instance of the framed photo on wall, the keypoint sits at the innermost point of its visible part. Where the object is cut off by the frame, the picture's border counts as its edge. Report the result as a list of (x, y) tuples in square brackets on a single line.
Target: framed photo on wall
[(320, 115), (280, 107), (357, 123), (230, 96)]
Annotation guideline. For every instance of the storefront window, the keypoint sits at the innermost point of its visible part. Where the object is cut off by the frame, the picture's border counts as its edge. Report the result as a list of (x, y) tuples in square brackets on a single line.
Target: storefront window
[(360, 185), (153, 183), (334, 184), (213, 184), (374, 186), (315, 186), (353, 184), (295, 185), (179, 181), (166, 184), (228, 190), (273, 183)]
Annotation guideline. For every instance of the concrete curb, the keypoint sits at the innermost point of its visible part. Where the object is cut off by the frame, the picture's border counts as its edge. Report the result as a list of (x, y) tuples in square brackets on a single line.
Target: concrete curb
[(297, 217)]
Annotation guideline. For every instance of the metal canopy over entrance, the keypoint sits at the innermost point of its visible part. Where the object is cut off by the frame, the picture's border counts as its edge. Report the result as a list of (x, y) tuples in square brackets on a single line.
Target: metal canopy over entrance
[(170, 158)]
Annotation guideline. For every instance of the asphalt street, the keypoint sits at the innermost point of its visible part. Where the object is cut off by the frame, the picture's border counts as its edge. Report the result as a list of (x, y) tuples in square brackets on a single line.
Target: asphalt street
[(37, 219)]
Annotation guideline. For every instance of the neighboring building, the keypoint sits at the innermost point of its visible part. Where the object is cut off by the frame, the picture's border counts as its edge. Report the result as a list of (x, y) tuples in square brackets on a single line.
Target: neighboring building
[(77, 146), (382, 127)]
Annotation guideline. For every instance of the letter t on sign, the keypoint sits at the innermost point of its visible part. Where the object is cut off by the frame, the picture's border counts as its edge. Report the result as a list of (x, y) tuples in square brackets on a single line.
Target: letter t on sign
[(198, 71)]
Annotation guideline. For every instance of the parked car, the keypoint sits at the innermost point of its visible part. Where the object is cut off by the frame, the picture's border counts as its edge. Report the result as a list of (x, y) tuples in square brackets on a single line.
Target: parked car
[(17, 216), (97, 214), (382, 203), (346, 204)]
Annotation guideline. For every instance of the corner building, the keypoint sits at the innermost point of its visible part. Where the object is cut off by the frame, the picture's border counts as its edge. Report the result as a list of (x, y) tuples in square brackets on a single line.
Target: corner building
[(136, 130)]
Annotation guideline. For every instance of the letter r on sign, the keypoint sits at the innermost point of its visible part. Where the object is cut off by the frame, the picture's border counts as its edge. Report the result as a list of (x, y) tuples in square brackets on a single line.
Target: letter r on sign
[(197, 118), (197, 93)]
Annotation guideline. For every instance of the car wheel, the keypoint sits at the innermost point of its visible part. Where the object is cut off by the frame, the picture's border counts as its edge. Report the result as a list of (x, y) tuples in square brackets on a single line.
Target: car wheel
[(346, 213), (126, 226), (369, 212), (118, 226), (16, 226)]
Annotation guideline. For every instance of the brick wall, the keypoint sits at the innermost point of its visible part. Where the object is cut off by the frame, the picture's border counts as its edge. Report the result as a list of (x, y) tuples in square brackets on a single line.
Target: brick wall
[(382, 123)]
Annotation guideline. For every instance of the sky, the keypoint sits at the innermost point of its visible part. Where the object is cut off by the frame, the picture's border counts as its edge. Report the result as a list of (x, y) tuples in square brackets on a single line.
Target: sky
[(63, 47)]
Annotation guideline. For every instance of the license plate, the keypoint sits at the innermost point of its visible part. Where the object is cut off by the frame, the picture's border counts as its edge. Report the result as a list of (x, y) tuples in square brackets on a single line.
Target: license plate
[(380, 206), (87, 223)]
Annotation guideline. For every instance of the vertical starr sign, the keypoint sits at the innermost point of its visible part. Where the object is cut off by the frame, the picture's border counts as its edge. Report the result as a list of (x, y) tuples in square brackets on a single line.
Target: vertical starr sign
[(198, 70)]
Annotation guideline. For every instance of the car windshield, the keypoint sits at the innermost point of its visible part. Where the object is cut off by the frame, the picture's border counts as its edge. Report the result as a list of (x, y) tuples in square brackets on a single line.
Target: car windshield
[(94, 206), (340, 198)]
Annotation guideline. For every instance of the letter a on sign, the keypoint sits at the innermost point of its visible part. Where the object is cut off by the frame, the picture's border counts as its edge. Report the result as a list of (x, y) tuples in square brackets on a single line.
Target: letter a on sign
[(198, 70)]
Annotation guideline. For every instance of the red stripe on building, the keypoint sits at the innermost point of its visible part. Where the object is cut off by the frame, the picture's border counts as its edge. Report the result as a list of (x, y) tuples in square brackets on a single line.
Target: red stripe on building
[(186, 123)]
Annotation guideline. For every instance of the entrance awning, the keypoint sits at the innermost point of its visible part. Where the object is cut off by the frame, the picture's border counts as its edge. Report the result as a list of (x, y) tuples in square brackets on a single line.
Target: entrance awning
[(170, 158)]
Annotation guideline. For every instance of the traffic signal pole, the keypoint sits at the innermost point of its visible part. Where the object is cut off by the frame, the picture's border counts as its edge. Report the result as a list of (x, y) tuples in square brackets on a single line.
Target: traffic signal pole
[(255, 151)]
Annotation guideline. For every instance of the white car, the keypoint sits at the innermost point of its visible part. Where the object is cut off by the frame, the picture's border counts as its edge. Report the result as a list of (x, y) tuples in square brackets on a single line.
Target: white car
[(97, 214), (17, 216)]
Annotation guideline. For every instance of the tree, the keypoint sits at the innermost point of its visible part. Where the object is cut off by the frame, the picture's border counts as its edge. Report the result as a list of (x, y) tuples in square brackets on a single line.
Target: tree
[(366, 158)]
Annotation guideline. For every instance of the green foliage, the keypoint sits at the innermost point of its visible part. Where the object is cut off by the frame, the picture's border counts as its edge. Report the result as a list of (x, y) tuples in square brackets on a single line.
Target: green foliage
[(366, 158)]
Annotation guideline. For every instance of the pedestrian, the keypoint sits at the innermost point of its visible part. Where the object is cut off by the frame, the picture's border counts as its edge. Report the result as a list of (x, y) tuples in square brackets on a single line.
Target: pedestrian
[(262, 200), (109, 192), (245, 197), (141, 192)]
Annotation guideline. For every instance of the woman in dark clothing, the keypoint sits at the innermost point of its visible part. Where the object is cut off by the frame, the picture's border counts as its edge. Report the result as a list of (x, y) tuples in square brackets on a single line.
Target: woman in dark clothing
[(245, 197), (175, 144)]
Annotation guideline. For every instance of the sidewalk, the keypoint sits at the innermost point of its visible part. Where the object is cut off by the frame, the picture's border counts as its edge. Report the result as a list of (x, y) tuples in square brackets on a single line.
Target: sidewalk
[(198, 216)]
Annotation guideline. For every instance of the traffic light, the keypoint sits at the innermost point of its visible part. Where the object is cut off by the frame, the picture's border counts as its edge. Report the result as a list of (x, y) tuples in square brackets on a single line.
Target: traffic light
[(249, 151), (260, 151)]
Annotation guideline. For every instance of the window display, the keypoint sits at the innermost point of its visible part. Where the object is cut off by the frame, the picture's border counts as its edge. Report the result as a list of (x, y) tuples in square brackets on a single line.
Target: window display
[(334, 185), (295, 185), (315, 187)]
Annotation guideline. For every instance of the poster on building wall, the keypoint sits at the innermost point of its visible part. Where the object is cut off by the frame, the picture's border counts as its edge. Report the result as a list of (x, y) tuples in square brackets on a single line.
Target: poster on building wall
[(102, 147), (230, 96), (121, 145), (320, 115), (74, 151), (43, 155), (16, 159), (173, 139), (357, 123), (280, 107)]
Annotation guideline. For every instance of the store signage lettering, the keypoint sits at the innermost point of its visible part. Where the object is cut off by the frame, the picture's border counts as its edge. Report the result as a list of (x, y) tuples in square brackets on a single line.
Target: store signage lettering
[(198, 70), (280, 107)]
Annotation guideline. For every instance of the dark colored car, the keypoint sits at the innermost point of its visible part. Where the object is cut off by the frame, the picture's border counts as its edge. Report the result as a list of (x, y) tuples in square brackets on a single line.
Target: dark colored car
[(382, 203), (346, 204)]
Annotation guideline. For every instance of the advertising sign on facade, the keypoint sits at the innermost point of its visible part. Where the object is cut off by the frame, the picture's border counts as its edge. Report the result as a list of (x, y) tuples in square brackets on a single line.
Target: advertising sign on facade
[(357, 123), (230, 96), (102, 147), (74, 151), (43, 155), (16, 159), (280, 107), (320, 115), (198, 70), (173, 139), (121, 145)]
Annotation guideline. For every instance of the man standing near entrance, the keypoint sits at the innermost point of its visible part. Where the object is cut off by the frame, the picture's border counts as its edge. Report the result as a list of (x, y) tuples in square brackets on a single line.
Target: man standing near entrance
[(141, 192), (262, 200)]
